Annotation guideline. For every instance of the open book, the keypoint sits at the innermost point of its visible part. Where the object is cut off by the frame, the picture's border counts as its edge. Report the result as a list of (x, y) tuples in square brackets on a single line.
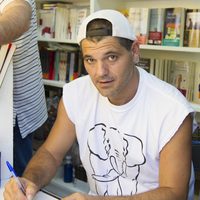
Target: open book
[(6, 53)]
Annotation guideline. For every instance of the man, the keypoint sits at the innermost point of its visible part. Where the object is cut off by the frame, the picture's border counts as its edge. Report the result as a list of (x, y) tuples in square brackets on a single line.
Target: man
[(133, 130), (18, 25)]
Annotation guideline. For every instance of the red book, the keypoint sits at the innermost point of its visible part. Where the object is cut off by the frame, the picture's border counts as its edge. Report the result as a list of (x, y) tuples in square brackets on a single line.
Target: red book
[(51, 64)]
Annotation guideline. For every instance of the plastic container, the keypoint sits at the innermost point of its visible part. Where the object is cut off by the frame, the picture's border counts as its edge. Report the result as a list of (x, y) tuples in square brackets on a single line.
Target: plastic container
[(68, 170)]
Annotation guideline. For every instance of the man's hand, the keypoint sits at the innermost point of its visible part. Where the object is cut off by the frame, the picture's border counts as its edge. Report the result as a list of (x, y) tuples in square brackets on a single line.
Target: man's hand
[(12, 190)]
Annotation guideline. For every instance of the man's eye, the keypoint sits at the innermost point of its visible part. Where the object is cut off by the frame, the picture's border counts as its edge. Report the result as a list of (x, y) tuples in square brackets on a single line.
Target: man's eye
[(112, 58), (89, 60)]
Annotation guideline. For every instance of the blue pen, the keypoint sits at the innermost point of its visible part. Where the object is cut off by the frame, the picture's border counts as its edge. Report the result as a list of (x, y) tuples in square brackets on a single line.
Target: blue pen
[(15, 177)]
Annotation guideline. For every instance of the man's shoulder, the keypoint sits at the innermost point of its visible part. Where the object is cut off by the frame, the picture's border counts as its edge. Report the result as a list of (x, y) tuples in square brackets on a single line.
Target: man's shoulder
[(79, 91), (161, 91), (81, 80), (80, 84)]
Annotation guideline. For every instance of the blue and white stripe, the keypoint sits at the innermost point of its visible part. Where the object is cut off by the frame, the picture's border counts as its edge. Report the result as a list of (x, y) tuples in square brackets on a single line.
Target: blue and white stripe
[(28, 89)]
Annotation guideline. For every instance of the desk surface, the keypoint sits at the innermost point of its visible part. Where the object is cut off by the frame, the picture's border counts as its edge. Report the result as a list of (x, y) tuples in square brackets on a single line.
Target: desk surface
[(39, 196)]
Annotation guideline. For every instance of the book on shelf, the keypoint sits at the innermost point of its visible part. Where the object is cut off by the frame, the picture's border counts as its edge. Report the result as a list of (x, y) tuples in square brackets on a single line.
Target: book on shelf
[(61, 64), (145, 63), (192, 28), (44, 58), (124, 11), (139, 20), (74, 66), (167, 65), (156, 20), (154, 66), (182, 77), (46, 23), (76, 16), (51, 65), (60, 20), (197, 85), (61, 24), (72, 23), (56, 65), (6, 53), (173, 26), (161, 69), (82, 13), (158, 68), (49, 5)]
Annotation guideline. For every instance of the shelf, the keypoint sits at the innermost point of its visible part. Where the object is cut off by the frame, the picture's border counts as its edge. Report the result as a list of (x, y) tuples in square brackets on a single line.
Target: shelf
[(142, 47), (170, 48), (73, 2), (41, 39), (53, 83), (196, 106), (119, 4)]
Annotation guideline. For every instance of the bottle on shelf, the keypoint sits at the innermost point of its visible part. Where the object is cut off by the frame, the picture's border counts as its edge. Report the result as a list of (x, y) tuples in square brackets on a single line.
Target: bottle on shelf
[(68, 169)]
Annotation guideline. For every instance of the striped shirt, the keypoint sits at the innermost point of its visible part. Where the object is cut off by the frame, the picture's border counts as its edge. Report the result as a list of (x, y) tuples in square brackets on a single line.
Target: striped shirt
[(29, 103)]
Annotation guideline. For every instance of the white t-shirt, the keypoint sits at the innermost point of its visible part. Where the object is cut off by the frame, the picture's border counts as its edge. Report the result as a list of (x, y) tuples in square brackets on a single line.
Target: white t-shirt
[(120, 145)]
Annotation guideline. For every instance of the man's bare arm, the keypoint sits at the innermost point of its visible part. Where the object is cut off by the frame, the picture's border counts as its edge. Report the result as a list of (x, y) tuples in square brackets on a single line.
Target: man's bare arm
[(14, 20), (45, 162)]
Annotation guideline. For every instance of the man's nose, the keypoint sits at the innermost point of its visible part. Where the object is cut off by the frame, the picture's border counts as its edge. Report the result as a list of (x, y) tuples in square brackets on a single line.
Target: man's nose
[(101, 69)]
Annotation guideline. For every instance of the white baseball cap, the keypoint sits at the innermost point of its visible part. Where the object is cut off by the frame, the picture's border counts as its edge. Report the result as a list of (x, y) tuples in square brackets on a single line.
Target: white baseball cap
[(120, 24)]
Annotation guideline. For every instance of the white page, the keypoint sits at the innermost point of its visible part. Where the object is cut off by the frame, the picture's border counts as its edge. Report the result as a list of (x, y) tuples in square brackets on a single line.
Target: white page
[(39, 196), (1, 193)]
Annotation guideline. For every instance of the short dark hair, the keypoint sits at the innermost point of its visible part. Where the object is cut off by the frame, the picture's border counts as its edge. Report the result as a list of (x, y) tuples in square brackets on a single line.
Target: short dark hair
[(97, 29)]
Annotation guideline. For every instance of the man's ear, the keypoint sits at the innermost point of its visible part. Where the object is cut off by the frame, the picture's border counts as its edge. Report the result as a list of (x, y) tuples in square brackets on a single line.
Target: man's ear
[(135, 51)]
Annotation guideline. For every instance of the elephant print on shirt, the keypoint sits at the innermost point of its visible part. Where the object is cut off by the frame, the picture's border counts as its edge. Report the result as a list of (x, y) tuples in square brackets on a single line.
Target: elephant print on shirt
[(115, 158)]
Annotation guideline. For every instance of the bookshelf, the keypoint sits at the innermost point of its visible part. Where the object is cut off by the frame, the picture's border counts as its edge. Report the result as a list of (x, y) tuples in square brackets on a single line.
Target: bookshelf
[(40, 39), (196, 106), (58, 84), (152, 51)]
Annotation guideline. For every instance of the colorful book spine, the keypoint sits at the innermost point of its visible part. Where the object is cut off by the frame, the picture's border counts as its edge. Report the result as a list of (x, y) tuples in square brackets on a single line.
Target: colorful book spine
[(173, 27), (145, 63), (192, 28), (197, 85), (139, 20), (156, 26)]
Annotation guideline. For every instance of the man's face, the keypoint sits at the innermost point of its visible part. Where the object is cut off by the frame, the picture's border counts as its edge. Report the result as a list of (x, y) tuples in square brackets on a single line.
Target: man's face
[(111, 68)]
